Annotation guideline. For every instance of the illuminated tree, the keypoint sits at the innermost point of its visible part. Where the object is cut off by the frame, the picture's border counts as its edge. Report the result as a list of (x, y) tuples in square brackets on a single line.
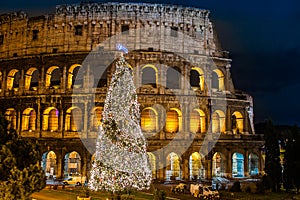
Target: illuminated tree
[(121, 161)]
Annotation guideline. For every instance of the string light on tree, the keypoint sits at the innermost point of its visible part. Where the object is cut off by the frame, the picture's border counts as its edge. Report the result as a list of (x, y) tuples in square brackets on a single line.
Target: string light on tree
[(121, 160)]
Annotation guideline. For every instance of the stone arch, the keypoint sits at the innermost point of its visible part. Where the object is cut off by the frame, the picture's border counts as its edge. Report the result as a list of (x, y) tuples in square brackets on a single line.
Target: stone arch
[(237, 165), (218, 80), (149, 75), (218, 122), (197, 121), (197, 78), (196, 167), (218, 165), (173, 171), (152, 163), (50, 119), (11, 116), (72, 163), (72, 74), (53, 76), (73, 120), (173, 121), (149, 120), (253, 164), (13, 79), (96, 116), (31, 79), (29, 120), (49, 164), (173, 78), (237, 121)]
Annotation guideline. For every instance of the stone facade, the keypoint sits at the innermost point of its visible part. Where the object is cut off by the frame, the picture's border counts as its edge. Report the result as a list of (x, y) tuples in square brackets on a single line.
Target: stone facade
[(40, 57)]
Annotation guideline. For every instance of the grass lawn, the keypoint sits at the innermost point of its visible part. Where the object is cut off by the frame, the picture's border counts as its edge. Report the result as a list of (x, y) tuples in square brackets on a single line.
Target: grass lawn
[(72, 193)]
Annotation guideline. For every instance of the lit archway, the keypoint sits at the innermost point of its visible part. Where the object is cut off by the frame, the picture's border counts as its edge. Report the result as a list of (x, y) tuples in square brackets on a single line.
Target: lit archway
[(237, 165), (237, 122), (149, 120), (173, 121), (11, 117), (29, 120), (197, 121), (31, 79), (218, 80), (72, 75), (53, 76), (49, 164), (253, 164), (72, 163), (173, 78), (50, 119), (73, 121), (196, 168), (218, 168), (96, 116), (173, 171), (218, 122), (13, 79), (197, 78), (149, 75), (152, 162)]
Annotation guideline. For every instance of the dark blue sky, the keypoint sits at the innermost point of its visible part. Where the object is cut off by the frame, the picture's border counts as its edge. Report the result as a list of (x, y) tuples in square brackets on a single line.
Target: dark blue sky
[(263, 38)]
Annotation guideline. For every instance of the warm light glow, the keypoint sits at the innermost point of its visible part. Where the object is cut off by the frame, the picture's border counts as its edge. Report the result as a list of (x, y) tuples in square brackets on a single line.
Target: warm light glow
[(237, 122), (218, 168), (200, 77), (196, 168), (49, 76), (152, 161), (11, 116), (221, 77), (149, 120), (73, 120), (96, 116), (28, 77), (50, 119), (70, 80), (11, 79), (29, 120), (197, 121), (173, 165), (173, 122)]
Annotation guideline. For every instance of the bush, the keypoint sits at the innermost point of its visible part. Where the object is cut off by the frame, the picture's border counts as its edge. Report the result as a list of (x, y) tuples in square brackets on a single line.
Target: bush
[(159, 195)]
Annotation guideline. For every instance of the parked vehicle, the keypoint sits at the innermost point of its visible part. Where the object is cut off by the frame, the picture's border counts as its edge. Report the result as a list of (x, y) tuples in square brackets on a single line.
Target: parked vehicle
[(74, 179)]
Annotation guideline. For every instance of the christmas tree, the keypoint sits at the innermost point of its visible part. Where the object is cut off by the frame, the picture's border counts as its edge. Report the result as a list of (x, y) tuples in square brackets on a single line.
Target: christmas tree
[(121, 160)]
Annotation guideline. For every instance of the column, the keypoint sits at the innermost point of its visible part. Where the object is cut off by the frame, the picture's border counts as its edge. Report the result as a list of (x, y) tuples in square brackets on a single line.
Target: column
[(41, 81), (4, 78), (38, 117), (246, 165), (228, 121), (85, 120), (63, 79), (229, 164), (185, 167), (60, 169), (21, 83)]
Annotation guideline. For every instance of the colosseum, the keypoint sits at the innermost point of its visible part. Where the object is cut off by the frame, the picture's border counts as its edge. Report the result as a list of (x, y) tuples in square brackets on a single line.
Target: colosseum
[(197, 125)]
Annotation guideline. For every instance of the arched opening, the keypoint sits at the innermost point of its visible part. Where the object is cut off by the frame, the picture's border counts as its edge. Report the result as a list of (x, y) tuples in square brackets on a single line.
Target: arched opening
[(13, 80), (237, 165), (73, 121), (149, 121), (149, 75), (49, 164), (53, 75), (196, 167), (173, 78), (32, 79), (237, 122), (197, 121), (50, 119), (253, 164), (152, 162), (11, 117), (173, 171), (72, 163), (173, 121), (197, 78), (96, 116), (218, 80), (218, 122), (29, 120), (218, 169), (73, 75)]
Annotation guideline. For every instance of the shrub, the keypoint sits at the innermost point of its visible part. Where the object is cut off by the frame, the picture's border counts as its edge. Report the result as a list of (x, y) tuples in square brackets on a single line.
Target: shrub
[(159, 195)]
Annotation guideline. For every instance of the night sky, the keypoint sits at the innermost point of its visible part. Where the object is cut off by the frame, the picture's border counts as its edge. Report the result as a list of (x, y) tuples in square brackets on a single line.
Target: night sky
[(263, 38)]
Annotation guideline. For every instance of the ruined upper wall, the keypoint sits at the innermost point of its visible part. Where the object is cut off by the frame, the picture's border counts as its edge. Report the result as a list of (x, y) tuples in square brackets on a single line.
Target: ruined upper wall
[(81, 27)]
